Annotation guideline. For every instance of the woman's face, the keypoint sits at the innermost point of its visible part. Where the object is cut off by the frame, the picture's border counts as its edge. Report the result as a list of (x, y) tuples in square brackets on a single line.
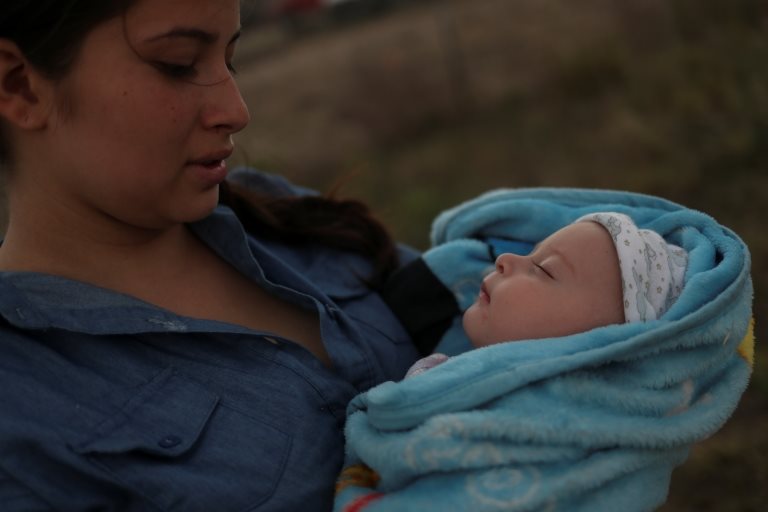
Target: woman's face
[(144, 119)]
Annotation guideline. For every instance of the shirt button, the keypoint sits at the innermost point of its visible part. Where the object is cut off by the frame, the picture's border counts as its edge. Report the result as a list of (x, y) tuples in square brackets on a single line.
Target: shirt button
[(333, 312), (169, 441)]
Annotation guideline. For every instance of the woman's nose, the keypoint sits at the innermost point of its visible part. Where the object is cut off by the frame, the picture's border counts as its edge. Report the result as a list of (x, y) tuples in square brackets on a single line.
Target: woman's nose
[(505, 262), (226, 109)]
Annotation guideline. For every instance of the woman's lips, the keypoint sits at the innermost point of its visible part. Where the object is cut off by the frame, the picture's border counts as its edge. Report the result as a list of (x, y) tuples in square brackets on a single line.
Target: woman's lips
[(211, 172)]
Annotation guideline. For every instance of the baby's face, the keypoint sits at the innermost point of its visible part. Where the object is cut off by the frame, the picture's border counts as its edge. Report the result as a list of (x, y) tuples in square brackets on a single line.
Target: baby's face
[(570, 283)]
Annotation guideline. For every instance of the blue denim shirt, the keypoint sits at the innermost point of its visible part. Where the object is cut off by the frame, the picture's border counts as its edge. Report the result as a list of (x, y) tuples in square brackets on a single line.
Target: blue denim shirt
[(110, 403)]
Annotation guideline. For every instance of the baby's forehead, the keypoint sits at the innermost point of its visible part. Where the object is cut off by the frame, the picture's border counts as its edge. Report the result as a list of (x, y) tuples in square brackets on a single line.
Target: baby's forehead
[(583, 244), (577, 236)]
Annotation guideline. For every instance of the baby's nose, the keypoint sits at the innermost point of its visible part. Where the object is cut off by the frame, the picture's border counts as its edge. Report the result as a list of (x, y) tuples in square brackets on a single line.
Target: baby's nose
[(505, 262)]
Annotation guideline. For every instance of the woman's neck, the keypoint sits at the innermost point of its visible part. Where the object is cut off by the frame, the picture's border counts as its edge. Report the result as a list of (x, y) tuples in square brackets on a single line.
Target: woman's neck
[(170, 268), (92, 247)]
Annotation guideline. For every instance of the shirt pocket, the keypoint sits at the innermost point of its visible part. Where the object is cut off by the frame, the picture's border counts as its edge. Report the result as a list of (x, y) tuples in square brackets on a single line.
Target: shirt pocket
[(176, 444)]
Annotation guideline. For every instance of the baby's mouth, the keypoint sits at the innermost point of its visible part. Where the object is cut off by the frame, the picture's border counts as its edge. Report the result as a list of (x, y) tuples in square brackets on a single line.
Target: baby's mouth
[(484, 296)]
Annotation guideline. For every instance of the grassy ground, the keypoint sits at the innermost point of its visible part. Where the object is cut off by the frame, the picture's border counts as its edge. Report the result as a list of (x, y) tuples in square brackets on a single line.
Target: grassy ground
[(432, 104)]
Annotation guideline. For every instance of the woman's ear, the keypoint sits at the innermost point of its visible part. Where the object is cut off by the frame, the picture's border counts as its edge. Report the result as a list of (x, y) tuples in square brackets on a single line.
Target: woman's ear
[(22, 90)]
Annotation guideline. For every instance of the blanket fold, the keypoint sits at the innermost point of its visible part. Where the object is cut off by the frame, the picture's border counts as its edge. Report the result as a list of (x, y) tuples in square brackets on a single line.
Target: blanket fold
[(592, 421)]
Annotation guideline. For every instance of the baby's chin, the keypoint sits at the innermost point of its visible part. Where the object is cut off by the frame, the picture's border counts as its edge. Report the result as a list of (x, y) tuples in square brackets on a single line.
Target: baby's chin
[(480, 343), (478, 338), (468, 326), (473, 328)]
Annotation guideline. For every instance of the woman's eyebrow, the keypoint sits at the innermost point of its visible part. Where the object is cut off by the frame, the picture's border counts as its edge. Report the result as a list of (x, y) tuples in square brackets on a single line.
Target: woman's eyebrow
[(197, 34)]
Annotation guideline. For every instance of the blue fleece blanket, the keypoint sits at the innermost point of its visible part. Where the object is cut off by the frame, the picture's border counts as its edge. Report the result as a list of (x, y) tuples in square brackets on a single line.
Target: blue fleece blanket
[(594, 421)]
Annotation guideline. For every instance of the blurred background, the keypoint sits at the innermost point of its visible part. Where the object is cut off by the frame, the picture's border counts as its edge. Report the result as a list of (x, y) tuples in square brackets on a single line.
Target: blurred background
[(416, 105)]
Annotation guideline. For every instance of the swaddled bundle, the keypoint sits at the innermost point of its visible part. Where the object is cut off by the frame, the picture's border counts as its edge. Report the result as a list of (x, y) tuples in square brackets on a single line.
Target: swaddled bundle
[(591, 421)]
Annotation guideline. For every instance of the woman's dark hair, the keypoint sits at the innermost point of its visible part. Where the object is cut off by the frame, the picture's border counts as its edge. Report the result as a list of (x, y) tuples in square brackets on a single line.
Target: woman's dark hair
[(344, 224), (50, 33)]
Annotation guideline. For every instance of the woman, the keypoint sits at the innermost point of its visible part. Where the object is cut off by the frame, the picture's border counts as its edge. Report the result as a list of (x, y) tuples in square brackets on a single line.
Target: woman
[(154, 353)]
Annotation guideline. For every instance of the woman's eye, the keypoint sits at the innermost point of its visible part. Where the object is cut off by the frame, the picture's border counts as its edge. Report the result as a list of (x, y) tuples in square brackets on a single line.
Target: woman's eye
[(231, 68), (176, 70)]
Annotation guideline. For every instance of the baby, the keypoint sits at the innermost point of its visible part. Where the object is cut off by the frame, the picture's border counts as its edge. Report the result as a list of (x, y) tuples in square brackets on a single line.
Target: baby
[(597, 271)]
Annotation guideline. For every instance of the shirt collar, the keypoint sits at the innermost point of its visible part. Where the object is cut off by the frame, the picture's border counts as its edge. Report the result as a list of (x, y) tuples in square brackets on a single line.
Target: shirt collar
[(31, 300)]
